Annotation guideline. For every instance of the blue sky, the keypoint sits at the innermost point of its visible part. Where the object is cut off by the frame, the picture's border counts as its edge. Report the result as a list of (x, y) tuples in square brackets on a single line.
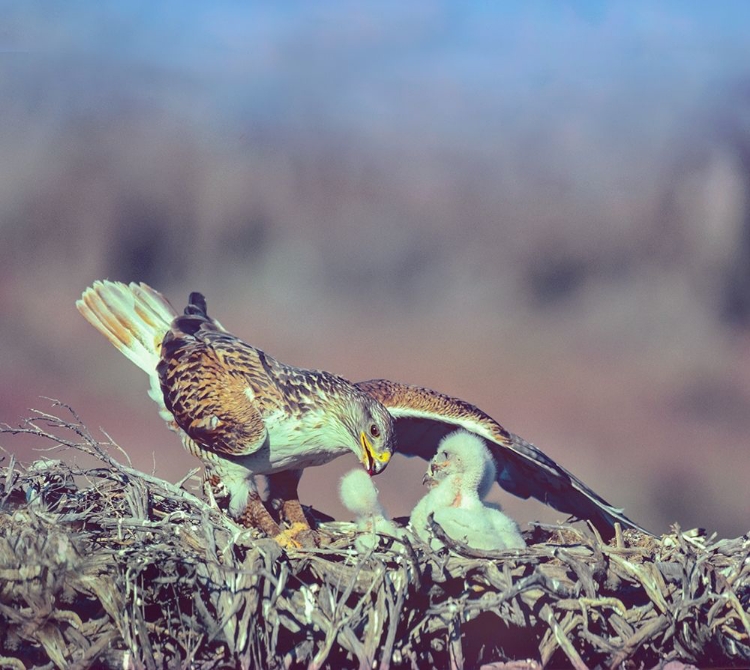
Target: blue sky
[(458, 76)]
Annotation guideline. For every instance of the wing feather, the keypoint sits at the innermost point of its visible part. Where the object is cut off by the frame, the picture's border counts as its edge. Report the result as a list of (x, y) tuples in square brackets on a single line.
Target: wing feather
[(423, 417), (206, 381)]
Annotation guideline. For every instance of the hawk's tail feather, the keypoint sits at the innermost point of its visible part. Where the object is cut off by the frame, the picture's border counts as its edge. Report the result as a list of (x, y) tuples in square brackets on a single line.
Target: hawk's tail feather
[(133, 317)]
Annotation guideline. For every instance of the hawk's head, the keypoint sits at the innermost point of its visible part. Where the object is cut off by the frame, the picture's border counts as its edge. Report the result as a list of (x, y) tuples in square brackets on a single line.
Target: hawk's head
[(372, 426)]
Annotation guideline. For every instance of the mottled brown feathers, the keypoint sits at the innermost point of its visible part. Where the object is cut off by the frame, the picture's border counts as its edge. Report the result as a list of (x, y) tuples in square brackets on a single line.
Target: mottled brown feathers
[(207, 381), (222, 390)]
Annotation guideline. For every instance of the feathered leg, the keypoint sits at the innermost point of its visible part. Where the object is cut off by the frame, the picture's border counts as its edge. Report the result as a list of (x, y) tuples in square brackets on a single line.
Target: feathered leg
[(215, 491), (282, 492), (257, 516)]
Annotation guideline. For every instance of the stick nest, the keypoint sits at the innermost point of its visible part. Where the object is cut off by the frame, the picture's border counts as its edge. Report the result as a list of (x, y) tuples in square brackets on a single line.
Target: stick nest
[(106, 566)]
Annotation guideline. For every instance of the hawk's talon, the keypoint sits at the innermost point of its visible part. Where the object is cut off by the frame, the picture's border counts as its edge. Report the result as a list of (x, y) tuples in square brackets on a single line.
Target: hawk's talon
[(296, 536)]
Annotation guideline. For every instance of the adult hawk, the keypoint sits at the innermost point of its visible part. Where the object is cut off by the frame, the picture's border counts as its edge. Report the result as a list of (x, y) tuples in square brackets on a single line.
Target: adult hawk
[(243, 413)]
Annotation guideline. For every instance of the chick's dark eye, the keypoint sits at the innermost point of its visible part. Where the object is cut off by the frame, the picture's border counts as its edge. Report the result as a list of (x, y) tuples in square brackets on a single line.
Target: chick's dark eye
[(374, 430)]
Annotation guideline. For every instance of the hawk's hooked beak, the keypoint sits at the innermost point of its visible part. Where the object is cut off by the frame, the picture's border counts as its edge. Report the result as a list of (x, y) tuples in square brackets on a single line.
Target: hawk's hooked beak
[(372, 461)]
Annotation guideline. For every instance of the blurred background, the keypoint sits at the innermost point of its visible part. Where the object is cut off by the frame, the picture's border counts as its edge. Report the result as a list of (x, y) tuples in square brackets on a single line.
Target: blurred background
[(540, 208)]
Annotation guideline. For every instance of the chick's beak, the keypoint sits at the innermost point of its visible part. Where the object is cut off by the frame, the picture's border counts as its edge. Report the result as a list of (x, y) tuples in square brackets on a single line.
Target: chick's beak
[(437, 467), (429, 480), (372, 461)]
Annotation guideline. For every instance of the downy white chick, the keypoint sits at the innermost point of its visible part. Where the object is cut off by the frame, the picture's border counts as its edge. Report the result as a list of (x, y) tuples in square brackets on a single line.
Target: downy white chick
[(359, 495), (461, 474)]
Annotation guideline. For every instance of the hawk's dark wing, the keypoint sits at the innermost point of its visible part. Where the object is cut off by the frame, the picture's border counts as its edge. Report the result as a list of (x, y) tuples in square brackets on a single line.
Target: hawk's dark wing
[(423, 417)]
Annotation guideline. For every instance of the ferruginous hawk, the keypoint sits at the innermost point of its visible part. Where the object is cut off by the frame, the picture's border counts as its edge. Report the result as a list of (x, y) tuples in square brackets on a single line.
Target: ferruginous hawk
[(244, 414), (240, 411)]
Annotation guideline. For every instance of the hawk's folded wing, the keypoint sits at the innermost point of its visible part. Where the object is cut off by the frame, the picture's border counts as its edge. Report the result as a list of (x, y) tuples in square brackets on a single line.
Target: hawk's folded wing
[(205, 377)]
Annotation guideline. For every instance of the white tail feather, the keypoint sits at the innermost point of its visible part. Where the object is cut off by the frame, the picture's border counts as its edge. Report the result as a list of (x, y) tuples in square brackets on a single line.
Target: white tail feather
[(134, 318)]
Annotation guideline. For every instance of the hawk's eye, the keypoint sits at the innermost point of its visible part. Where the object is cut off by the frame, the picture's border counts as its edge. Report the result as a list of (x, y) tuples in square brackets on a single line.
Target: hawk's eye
[(374, 430)]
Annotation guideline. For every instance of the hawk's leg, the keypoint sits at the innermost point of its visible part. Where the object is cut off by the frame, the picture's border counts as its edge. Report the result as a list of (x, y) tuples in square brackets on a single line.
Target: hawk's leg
[(215, 491), (282, 492), (257, 516)]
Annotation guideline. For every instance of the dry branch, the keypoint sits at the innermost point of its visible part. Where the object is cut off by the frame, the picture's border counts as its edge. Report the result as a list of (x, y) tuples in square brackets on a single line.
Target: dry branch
[(109, 567)]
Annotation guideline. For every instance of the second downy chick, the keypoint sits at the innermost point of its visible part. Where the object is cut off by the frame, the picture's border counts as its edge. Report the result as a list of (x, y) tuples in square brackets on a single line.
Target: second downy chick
[(359, 495)]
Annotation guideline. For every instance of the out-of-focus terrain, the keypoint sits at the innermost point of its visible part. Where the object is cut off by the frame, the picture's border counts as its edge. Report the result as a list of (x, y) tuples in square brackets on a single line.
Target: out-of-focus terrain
[(542, 210)]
